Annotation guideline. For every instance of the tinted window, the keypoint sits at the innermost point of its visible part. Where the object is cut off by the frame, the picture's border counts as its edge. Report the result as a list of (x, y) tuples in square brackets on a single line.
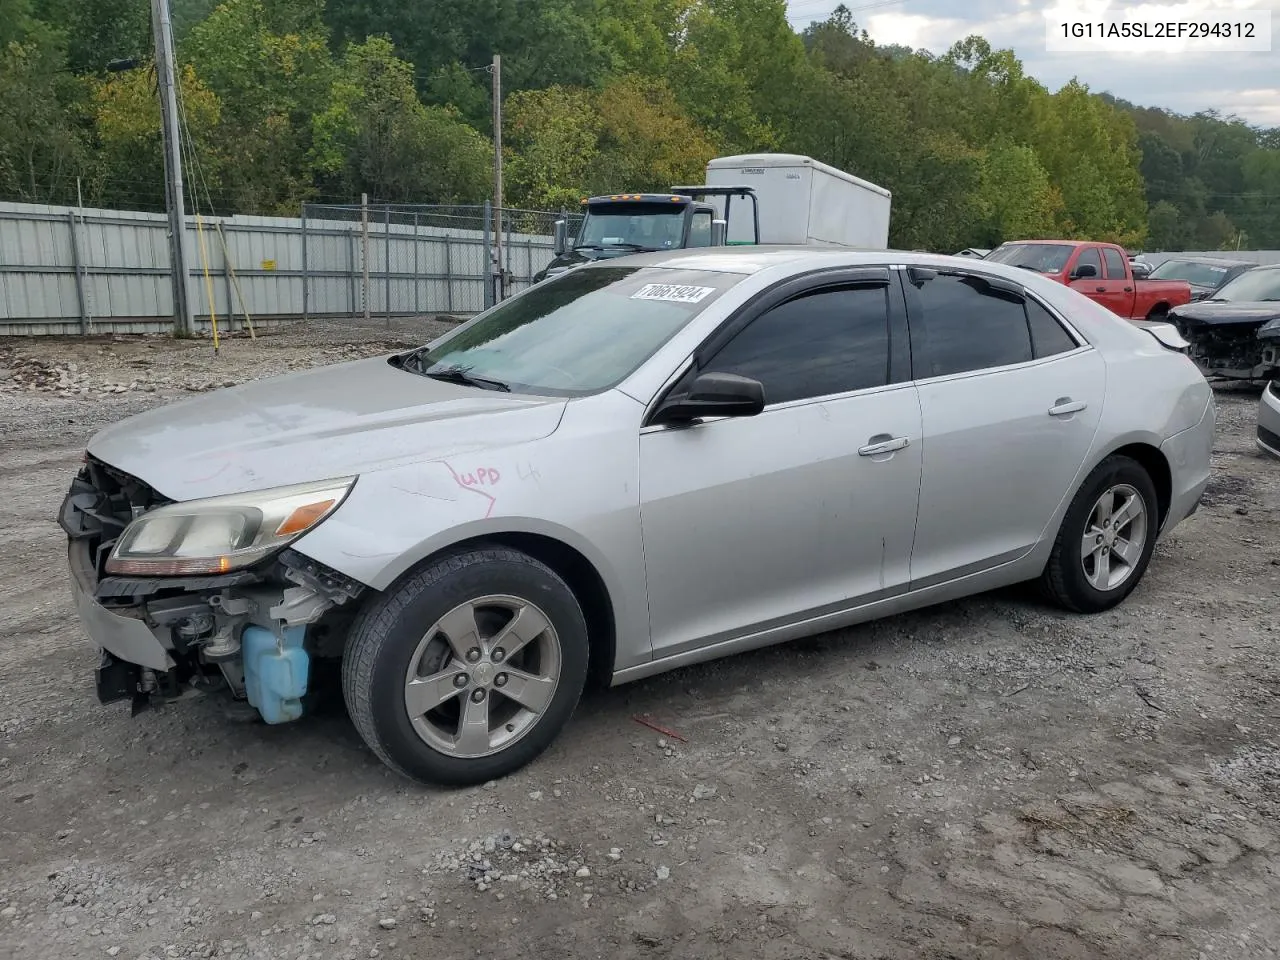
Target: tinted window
[(1089, 256), (1047, 335), (1115, 264), (826, 342), (965, 325), (700, 230)]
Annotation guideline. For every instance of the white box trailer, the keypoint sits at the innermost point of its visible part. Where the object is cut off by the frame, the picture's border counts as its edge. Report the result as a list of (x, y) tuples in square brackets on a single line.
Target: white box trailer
[(801, 201)]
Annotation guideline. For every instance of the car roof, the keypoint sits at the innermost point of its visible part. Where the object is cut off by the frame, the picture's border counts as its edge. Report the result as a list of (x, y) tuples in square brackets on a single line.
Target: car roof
[(1217, 261), (1057, 243), (753, 258)]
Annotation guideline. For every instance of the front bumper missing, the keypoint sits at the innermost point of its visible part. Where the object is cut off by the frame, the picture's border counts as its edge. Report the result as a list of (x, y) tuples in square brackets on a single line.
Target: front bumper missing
[(124, 635)]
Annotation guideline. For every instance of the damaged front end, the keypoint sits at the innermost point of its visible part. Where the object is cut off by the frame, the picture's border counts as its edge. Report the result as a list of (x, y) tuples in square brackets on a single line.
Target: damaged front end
[(1269, 338), (250, 615), (1242, 350)]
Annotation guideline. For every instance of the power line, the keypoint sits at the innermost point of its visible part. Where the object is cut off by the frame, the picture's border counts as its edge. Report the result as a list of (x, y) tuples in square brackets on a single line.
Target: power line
[(799, 11)]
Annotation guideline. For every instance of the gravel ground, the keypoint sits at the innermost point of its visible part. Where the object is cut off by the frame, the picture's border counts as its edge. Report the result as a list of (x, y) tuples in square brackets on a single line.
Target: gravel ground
[(988, 778)]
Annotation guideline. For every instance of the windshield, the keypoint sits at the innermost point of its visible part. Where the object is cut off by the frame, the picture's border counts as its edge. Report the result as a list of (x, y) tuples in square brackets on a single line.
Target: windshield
[(1041, 257), (1251, 286), (579, 333), (1193, 271), (646, 226)]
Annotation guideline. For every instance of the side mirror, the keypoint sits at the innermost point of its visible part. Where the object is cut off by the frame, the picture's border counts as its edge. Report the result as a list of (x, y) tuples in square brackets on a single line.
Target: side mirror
[(1084, 271), (1140, 270), (561, 233), (719, 230), (714, 395)]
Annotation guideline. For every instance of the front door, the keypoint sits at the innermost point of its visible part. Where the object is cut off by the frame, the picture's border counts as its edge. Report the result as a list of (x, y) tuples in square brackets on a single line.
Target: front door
[(1097, 288), (1009, 404), (803, 508)]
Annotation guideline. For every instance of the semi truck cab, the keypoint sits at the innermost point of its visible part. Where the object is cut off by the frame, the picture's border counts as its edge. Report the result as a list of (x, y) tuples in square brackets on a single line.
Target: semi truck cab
[(614, 226)]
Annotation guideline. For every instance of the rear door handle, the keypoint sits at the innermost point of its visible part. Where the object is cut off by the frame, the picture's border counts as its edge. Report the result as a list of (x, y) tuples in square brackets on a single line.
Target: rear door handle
[(883, 443), (1065, 406), (1100, 289)]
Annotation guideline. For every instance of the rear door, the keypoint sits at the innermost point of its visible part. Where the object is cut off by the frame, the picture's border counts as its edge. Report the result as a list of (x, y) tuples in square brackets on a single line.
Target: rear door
[(1010, 400)]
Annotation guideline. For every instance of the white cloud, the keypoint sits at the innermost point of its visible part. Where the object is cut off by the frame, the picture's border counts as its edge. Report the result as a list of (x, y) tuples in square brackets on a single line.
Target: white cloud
[(1247, 84)]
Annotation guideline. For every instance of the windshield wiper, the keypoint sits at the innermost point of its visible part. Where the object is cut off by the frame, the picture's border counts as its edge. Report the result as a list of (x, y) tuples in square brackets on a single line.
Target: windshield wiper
[(1027, 266), (462, 375)]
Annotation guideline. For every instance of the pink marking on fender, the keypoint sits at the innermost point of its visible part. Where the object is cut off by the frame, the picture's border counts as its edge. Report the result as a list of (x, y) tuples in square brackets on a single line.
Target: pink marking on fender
[(469, 482)]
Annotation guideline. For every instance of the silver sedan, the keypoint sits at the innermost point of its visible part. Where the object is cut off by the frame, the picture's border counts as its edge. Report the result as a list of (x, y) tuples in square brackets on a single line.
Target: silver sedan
[(635, 466)]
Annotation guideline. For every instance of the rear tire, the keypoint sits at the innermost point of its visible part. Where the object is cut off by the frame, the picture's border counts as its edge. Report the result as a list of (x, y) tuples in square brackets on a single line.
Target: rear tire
[(466, 669), (1117, 510)]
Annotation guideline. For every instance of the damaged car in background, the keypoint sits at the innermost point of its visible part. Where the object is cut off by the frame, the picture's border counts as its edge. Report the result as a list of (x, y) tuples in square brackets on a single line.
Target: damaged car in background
[(638, 465), (1235, 334)]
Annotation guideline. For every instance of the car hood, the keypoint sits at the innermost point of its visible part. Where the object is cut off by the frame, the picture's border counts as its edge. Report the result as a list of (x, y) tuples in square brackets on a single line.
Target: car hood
[(327, 422), (1216, 314)]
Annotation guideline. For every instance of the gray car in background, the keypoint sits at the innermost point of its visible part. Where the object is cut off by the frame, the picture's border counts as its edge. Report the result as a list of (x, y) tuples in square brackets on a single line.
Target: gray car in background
[(638, 465)]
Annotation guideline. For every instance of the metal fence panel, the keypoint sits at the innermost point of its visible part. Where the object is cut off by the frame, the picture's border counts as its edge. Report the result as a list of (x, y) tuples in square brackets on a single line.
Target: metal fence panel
[(66, 270)]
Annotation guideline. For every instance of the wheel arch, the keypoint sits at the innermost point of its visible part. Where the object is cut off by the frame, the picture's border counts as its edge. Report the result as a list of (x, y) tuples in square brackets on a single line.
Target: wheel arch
[(1160, 309), (1151, 459), (569, 563)]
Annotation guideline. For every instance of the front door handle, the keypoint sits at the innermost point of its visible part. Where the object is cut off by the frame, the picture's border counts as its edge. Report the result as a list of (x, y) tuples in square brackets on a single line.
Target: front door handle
[(1128, 289), (1065, 406), (883, 443)]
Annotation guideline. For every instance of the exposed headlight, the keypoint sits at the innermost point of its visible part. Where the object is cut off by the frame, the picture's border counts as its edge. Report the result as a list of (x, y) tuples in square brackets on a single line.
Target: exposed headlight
[(222, 534)]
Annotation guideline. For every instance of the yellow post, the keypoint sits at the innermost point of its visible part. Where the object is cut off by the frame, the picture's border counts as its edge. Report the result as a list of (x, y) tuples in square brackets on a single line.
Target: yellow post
[(208, 281), (235, 281)]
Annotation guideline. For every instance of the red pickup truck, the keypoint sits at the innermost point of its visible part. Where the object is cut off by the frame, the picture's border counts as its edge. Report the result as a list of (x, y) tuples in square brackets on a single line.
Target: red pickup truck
[(1100, 271)]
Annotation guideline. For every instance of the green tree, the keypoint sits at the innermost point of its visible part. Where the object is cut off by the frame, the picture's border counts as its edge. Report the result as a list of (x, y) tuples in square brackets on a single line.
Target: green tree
[(128, 154), (1164, 227), (99, 30), (269, 65), (645, 140), (42, 108), (565, 143), (552, 140), (1015, 197), (375, 135)]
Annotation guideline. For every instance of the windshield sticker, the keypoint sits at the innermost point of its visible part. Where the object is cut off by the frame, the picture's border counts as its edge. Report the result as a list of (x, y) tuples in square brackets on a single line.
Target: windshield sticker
[(672, 292)]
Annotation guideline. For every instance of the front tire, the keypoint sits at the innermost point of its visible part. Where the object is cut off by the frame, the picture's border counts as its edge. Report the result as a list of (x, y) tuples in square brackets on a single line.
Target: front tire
[(468, 668), (1106, 539)]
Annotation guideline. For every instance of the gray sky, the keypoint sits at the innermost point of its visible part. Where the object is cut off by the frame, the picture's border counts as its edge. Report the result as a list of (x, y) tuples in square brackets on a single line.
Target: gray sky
[(1247, 84)]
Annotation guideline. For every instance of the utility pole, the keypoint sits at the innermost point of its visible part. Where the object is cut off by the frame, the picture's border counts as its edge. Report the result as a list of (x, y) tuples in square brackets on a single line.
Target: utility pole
[(162, 28), (501, 293), (364, 250)]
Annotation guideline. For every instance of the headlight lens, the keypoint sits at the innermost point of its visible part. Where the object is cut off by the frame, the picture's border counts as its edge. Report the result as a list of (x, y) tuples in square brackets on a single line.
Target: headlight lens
[(222, 534)]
